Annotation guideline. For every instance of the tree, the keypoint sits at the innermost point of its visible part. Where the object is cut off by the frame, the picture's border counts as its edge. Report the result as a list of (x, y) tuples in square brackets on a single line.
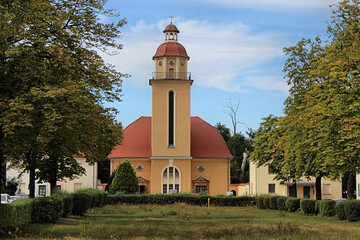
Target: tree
[(237, 145), (47, 57), (337, 95), (224, 131), (269, 152), (125, 179), (232, 111)]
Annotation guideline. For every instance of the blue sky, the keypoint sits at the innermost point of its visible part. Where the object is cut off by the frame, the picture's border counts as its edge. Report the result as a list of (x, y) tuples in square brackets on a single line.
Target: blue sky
[(235, 49)]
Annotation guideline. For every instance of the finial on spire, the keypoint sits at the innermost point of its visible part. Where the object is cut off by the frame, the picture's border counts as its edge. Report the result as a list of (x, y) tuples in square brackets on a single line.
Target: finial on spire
[(171, 18)]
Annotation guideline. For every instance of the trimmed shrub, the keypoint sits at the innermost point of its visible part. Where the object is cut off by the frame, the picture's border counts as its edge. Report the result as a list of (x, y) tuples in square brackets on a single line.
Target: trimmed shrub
[(81, 203), (23, 211), (340, 210), (280, 203), (273, 202), (7, 213), (125, 179), (292, 204), (16, 213), (260, 202), (325, 207), (47, 209), (164, 199), (352, 210), (68, 204), (267, 202), (307, 206)]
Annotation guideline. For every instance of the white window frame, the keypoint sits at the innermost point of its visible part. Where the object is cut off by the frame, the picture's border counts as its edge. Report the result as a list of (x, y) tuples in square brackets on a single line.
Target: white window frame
[(169, 181)]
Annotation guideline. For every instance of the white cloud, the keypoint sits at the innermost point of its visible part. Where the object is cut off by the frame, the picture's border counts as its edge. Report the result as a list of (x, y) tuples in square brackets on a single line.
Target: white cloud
[(219, 53), (273, 4), (268, 83)]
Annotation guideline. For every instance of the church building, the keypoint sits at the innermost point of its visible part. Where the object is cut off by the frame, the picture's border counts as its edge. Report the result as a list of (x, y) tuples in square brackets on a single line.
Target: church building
[(172, 151)]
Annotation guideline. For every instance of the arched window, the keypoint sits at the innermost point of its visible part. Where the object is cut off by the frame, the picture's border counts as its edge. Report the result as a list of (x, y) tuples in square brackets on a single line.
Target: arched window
[(170, 180), (171, 36), (171, 119)]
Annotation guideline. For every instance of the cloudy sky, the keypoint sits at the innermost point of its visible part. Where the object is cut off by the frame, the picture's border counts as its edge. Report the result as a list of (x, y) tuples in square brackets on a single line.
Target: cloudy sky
[(235, 49)]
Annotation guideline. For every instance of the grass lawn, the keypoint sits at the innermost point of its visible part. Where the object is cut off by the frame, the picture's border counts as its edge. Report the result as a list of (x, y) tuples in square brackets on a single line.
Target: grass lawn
[(180, 221)]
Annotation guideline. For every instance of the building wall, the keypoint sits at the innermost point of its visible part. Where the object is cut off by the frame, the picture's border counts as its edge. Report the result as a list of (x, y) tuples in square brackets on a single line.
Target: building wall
[(260, 180), (215, 170), (89, 180), (159, 136)]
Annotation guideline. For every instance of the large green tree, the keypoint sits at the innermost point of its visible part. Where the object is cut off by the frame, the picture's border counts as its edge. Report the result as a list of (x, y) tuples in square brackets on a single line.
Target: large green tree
[(269, 152), (48, 59)]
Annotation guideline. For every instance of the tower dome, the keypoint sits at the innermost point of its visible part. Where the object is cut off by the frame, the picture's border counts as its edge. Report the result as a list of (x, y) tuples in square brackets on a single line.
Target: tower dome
[(171, 47), (171, 57)]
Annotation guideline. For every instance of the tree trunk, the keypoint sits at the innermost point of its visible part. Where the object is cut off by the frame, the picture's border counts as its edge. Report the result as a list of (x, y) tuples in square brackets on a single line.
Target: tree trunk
[(32, 181), (318, 188), (54, 171), (2, 159), (350, 186), (31, 160), (295, 189)]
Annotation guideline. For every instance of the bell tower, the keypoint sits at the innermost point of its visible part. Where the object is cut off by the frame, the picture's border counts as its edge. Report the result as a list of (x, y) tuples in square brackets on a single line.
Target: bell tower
[(170, 131)]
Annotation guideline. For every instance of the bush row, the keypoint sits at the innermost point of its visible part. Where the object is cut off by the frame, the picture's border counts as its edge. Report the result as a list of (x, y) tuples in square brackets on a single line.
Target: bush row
[(49, 209), (349, 210), (163, 199)]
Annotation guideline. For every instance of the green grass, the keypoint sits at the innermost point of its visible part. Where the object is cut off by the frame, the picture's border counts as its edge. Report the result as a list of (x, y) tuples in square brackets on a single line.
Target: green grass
[(180, 221)]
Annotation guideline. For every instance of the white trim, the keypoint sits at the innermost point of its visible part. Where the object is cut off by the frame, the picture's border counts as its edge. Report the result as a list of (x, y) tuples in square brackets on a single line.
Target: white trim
[(172, 157), (167, 179)]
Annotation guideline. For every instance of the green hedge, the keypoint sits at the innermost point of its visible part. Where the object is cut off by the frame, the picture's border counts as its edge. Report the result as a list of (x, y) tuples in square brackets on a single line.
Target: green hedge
[(260, 202), (163, 199), (16, 213), (81, 203), (352, 210), (307, 206), (326, 207), (266, 202), (23, 211), (340, 210), (280, 203), (273, 202), (47, 209), (292, 204)]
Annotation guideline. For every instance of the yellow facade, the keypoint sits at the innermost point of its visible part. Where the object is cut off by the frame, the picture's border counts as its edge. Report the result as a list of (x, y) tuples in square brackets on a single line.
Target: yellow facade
[(171, 168), (260, 179), (160, 105)]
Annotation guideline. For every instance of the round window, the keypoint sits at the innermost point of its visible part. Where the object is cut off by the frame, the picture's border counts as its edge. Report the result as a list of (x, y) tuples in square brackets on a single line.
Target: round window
[(139, 168), (201, 168), (160, 63), (171, 62)]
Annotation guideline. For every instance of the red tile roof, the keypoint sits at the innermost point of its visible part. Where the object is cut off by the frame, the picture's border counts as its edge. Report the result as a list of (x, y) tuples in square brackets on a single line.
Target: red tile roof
[(206, 141), (171, 28), (171, 49), (137, 140)]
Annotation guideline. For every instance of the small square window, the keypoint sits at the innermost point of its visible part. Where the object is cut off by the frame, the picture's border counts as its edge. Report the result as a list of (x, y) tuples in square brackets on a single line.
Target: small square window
[(327, 189), (200, 189), (271, 188)]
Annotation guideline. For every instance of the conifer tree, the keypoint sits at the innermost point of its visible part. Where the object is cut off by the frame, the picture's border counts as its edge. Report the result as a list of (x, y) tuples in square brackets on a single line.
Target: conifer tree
[(125, 179)]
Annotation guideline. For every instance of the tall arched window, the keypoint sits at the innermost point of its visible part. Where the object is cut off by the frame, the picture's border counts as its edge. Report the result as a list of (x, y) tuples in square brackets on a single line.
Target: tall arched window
[(171, 119), (171, 180)]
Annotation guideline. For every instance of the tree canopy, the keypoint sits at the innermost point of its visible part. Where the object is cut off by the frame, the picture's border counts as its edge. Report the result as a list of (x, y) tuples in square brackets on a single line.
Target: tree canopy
[(321, 127), (54, 84)]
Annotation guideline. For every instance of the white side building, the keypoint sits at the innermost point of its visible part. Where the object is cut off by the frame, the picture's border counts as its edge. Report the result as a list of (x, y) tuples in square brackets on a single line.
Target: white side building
[(88, 180)]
